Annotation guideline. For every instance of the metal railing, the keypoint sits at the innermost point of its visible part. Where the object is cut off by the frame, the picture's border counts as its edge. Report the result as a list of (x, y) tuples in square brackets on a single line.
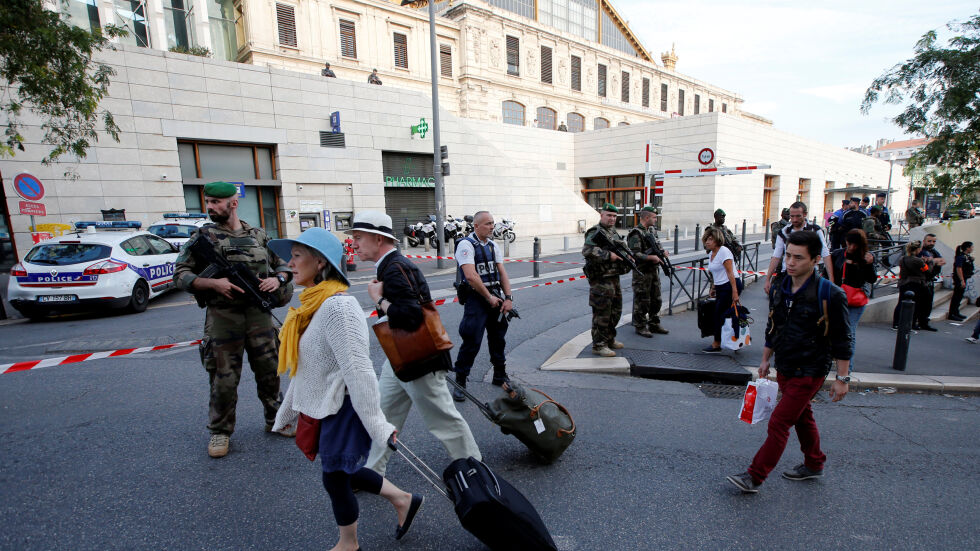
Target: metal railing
[(691, 281), (886, 258)]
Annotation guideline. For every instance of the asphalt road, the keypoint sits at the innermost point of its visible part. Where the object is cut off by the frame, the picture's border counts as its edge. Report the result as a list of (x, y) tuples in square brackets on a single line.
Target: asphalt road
[(110, 454)]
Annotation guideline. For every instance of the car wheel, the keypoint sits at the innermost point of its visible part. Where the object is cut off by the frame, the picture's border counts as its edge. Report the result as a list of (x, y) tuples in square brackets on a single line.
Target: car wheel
[(140, 297)]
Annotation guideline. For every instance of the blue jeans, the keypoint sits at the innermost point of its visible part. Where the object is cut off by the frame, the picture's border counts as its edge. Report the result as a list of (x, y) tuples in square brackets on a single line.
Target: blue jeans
[(854, 315)]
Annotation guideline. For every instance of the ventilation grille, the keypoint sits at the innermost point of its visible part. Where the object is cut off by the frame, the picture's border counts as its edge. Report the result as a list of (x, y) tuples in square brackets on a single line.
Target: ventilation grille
[(332, 139), (286, 19)]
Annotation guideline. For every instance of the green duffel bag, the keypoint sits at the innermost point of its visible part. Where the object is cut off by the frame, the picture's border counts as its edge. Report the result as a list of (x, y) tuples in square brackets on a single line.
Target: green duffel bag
[(541, 423)]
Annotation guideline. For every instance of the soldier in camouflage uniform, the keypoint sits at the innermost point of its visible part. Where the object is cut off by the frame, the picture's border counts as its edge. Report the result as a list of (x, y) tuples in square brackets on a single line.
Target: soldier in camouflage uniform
[(232, 324), (646, 285), (603, 269), (730, 240)]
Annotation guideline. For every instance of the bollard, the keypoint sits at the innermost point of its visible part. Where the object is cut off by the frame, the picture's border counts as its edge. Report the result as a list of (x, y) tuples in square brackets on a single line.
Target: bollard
[(404, 242), (766, 230), (506, 247), (743, 231), (685, 232), (676, 242), (425, 244), (904, 338), (697, 237), (568, 241), (537, 256)]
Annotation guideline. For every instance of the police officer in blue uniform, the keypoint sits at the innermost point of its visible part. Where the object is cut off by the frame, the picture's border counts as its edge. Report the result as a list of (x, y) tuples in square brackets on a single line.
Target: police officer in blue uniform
[(485, 287)]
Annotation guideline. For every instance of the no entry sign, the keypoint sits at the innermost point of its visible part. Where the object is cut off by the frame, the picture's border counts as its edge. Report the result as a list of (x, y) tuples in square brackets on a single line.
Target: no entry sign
[(28, 187)]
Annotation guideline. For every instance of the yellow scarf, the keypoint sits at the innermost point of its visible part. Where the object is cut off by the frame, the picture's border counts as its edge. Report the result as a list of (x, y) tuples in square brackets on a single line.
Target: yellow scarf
[(299, 318)]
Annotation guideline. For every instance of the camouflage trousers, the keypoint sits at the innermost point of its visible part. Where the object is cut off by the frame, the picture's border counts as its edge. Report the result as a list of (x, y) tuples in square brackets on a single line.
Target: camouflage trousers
[(646, 299), (228, 332), (606, 300)]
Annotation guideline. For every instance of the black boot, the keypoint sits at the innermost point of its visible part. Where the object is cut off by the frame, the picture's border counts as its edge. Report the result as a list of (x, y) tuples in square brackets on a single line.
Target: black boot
[(457, 393), (499, 376)]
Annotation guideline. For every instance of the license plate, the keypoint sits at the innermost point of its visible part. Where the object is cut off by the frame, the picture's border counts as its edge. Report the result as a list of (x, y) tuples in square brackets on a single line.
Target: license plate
[(57, 298)]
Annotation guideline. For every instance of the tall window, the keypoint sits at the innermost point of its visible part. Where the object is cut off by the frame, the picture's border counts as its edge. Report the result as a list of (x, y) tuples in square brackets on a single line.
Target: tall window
[(446, 60), (724, 107), (131, 14), (697, 103), (625, 93), (520, 7), (576, 73), (711, 105), (82, 13), (576, 122), (547, 118), (579, 17), (180, 32), (286, 21), (401, 50), (680, 102), (602, 80), (513, 113), (546, 64), (663, 97), (221, 18), (612, 36), (348, 39), (599, 123), (513, 56), (646, 92)]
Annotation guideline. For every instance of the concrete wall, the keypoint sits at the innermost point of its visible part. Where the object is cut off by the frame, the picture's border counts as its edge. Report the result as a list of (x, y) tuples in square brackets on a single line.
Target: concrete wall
[(949, 235)]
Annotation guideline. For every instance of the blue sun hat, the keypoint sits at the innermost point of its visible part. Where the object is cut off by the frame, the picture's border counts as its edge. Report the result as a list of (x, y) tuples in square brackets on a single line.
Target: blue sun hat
[(317, 239)]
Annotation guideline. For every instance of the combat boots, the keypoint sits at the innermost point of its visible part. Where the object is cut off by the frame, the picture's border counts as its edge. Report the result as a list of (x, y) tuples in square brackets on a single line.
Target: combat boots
[(643, 332), (603, 351), (658, 329), (616, 345), (218, 445), (457, 393)]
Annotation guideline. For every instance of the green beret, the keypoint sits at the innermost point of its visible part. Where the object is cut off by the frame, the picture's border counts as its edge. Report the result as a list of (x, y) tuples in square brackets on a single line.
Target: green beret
[(650, 208), (609, 207), (719, 211), (220, 189)]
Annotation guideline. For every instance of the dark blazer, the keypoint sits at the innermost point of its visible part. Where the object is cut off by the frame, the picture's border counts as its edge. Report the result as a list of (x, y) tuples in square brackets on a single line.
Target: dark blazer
[(403, 293)]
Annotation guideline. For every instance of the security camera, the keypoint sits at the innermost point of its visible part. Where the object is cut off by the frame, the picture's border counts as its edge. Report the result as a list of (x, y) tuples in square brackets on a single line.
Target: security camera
[(163, 176), (299, 187)]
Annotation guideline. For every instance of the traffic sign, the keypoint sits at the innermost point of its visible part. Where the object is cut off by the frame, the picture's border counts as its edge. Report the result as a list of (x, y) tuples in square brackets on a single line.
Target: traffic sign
[(705, 156), (28, 187), (33, 209)]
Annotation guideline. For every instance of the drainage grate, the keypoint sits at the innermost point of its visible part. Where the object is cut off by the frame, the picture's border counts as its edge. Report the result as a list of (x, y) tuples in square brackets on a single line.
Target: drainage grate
[(737, 391)]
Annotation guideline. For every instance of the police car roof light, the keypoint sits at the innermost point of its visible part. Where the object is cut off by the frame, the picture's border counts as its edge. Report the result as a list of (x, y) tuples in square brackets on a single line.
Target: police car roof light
[(117, 225), (185, 215)]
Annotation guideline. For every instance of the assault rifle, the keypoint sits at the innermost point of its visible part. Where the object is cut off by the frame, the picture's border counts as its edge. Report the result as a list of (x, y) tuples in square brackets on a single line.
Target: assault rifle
[(237, 273), (603, 242), (658, 250), (498, 292)]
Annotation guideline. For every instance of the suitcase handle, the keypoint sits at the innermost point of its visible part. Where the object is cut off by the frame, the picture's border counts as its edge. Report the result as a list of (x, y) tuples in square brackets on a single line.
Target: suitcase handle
[(561, 408), (431, 477), (482, 406)]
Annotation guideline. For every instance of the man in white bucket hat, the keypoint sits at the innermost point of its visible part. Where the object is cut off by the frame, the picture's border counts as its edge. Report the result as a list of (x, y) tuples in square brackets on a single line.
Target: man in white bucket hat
[(395, 297)]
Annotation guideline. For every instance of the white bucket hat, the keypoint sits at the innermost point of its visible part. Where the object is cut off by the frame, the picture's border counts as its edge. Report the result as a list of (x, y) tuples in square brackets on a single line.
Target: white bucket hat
[(372, 221)]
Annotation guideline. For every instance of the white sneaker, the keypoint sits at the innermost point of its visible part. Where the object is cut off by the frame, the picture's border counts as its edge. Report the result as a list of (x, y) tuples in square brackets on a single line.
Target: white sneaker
[(971, 339)]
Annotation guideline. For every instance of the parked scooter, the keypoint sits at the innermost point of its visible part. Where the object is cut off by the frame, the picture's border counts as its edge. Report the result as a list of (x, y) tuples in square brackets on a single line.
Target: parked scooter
[(427, 231), (505, 230), (414, 234)]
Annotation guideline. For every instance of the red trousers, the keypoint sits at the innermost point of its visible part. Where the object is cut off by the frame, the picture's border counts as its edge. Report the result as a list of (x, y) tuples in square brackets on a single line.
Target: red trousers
[(792, 410)]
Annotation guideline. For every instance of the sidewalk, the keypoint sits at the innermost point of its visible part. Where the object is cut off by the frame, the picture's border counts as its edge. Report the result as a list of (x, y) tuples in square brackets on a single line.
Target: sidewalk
[(937, 362)]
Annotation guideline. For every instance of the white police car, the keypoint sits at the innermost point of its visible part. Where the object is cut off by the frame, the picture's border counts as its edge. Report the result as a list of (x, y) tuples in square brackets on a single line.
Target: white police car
[(119, 267), (177, 227)]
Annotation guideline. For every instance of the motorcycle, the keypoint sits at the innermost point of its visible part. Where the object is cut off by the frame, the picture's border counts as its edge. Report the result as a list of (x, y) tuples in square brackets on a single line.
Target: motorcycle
[(427, 231), (414, 234), (505, 230), (468, 229)]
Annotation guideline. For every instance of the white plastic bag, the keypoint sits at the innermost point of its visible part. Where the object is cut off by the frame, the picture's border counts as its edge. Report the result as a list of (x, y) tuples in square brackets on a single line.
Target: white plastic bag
[(972, 290), (759, 401), (730, 340)]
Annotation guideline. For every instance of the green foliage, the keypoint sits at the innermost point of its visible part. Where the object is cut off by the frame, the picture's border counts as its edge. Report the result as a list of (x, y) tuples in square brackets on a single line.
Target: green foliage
[(940, 88), (47, 67), (200, 51)]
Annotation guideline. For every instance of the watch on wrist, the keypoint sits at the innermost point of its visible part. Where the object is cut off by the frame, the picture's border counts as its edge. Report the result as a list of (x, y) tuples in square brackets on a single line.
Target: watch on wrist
[(380, 300), (509, 297), (845, 379), (282, 278)]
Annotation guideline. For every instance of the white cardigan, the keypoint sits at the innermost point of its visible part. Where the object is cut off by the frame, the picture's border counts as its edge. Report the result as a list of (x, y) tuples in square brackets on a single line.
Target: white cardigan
[(334, 357)]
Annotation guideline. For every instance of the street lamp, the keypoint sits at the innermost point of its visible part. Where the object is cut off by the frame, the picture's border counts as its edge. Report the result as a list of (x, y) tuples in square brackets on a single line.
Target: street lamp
[(436, 158)]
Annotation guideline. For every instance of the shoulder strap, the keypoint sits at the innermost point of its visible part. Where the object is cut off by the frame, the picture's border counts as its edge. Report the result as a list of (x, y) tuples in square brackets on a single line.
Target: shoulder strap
[(823, 294), (411, 282)]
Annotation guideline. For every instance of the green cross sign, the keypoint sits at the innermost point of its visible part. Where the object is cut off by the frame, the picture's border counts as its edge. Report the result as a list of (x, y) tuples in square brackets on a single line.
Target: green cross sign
[(421, 128)]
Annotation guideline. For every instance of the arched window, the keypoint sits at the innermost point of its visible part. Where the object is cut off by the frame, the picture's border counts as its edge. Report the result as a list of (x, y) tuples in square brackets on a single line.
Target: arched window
[(513, 113), (599, 123), (576, 122), (623, 123), (547, 118)]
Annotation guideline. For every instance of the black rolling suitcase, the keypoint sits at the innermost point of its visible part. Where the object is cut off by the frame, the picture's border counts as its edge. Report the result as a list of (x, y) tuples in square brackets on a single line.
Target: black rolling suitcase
[(487, 505), (706, 317)]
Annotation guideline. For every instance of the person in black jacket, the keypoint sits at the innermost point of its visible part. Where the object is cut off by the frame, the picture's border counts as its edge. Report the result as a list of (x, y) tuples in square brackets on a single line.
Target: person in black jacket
[(854, 267), (962, 271), (397, 297), (808, 331)]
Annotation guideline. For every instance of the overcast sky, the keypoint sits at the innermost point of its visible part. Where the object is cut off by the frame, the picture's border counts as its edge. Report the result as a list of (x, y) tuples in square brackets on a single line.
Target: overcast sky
[(805, 65)]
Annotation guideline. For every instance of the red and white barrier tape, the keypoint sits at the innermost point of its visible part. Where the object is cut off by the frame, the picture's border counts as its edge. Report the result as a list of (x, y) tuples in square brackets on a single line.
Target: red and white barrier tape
[(75, 358), (430, 257)]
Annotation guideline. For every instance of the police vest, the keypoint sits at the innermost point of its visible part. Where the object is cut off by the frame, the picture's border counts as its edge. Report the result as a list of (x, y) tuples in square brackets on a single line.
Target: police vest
[(484, 262)]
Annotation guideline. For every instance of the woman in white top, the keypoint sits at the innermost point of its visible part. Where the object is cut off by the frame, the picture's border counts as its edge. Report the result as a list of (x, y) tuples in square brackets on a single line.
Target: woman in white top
[(725, 287), (324, 347)]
